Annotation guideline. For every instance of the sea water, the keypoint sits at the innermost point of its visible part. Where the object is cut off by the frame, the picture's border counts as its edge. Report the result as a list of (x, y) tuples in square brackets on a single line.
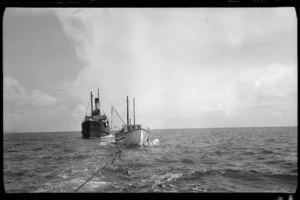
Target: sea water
[(175, 160)]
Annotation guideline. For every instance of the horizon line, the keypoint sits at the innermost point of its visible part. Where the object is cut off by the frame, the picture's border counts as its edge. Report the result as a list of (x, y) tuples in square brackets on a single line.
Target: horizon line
[(160, 129)]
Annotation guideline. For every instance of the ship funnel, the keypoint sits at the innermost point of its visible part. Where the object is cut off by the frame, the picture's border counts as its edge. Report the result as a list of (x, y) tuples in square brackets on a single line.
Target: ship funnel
[(97, 105)]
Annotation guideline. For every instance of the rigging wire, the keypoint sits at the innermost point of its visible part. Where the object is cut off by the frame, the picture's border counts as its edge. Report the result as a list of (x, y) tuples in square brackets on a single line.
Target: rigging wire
[(102, 109), (87, 107), (118, 115), (116, 105), (116, 101)]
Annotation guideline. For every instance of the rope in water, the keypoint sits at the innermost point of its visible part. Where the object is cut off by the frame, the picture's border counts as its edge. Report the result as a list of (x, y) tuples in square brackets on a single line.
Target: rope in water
[(120, 150), (97, 171)]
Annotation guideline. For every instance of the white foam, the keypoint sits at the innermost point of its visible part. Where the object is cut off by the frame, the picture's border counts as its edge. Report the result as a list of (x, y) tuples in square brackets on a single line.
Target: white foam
[(96, 184), (108, 136), (107, 140), (103, 143), (154, 142), (166, 177)]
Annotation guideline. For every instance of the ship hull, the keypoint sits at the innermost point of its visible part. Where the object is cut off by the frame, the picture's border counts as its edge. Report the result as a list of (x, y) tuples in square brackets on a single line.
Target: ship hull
[(94, 129), (136, 137)]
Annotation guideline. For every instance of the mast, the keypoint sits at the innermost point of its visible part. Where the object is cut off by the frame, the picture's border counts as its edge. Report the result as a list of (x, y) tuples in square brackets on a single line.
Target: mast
[(133, 112), (91, 104), (111, 118), (99, 102), (127, 112)]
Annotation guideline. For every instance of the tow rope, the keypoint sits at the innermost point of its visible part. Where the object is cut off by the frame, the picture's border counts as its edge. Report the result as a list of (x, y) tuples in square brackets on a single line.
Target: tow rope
[(118, 152)]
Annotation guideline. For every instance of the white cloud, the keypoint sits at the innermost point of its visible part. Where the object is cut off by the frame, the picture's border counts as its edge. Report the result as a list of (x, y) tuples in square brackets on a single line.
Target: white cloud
[(36, 110), (42, 98), (271, 91), (12, 87), (15, 93), (276, 89), (276, 81)]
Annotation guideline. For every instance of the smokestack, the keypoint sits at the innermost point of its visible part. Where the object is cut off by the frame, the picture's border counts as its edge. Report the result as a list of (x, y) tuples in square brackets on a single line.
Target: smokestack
[(97, 107), (97, 103)]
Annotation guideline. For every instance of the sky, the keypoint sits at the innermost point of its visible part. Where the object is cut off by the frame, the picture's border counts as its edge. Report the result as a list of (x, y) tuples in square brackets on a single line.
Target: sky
[(185, 67)]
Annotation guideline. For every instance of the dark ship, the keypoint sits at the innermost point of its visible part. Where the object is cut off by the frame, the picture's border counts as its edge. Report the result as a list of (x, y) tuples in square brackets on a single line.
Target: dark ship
[(96, 125)]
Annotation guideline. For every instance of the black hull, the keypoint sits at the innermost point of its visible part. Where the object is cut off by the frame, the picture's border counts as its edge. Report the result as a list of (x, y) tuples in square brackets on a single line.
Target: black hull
[(94, 129)]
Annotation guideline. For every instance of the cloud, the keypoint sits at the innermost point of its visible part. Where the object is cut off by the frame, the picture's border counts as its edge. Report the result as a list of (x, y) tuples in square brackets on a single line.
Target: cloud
[(15, 93), (42, 98), (36, 110), (209, 66), (276, 89), (12, 87), (277, 81), (272, 91), (258, 96)]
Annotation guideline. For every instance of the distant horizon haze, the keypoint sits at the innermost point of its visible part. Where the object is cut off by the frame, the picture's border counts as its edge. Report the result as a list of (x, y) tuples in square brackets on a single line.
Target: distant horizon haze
[(165, 129)]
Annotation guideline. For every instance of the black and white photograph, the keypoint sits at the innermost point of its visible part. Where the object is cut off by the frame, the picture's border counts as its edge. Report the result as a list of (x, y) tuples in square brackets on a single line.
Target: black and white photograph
[(150, 100)]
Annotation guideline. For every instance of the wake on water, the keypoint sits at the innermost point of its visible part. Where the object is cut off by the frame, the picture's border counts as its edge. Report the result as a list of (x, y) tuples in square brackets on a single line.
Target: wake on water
[(154, 142), (106, 140), (108, 136)]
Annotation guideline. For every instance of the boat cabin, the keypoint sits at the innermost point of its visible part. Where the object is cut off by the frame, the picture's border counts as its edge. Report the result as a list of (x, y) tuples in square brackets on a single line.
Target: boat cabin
[(125, 128), (133, 127)]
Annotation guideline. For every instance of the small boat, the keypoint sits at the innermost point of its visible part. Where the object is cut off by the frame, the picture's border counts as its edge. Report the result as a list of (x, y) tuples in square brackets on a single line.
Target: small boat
[(132, 133), (95, 125)]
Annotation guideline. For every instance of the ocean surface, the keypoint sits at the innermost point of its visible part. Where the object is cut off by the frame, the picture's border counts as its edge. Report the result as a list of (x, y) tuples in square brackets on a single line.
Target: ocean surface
[(176, 160)]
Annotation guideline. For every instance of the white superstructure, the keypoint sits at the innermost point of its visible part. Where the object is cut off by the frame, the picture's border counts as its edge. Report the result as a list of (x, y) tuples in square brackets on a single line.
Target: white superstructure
[(132, 134)]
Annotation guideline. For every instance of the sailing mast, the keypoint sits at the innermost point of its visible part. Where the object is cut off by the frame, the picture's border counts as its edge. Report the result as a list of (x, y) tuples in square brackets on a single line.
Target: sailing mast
[(127, 112), (91, 104), (99, 102), (133, 112), (111, 118)]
